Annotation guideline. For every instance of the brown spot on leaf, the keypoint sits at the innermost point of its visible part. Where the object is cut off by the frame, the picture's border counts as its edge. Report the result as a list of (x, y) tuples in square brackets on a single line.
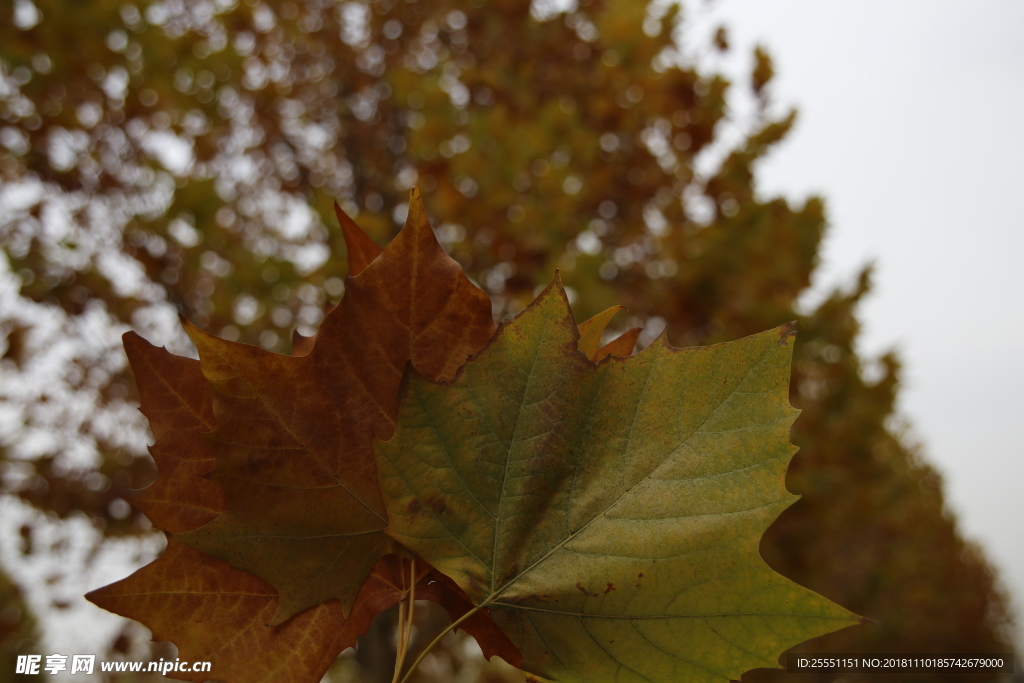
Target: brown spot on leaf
[(581, 588), (415, 505), (437, 505), (610, 587), (788, 330)]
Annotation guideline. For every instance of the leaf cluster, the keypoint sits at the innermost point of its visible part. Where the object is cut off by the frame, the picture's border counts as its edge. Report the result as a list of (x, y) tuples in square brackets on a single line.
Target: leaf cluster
[(584, 513)]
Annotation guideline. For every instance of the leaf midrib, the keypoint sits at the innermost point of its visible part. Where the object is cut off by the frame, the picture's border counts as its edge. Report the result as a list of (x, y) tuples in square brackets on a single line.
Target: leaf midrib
[(508, 457)]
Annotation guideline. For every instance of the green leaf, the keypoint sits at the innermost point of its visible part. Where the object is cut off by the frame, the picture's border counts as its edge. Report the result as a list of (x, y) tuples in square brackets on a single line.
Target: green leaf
[(608, 515)]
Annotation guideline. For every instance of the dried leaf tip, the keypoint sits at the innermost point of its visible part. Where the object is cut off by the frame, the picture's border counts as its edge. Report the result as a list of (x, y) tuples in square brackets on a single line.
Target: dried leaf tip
[(786, 331)]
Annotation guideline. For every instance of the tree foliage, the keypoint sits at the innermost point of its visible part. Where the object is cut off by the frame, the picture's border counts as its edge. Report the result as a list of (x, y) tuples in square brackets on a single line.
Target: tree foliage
[(185, 155)]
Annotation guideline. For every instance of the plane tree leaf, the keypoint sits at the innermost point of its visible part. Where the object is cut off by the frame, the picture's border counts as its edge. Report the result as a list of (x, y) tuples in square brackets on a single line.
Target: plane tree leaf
[(292, 518), (292, 439), (216, 613), (176, 399), (608, 515), (217, 414)]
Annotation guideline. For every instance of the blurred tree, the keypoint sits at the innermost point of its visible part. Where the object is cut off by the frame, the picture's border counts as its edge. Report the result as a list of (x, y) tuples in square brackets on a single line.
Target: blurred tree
[(182, 156), (871, 526), (17, 628)]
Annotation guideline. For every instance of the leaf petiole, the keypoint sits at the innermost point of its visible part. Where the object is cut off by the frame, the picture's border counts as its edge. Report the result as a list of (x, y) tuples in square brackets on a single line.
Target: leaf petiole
[(451, 627), (405, 617)]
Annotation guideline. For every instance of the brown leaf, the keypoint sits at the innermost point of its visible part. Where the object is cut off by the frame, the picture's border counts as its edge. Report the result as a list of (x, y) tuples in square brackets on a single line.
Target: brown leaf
[(293, 434), (413, 303), (361, 249), (621, 346), (592, 330), (216, 613), (176, 399), (289, 494)]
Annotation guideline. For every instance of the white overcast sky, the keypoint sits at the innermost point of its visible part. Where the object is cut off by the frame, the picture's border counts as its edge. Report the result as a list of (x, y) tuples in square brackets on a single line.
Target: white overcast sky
[(912, 126)]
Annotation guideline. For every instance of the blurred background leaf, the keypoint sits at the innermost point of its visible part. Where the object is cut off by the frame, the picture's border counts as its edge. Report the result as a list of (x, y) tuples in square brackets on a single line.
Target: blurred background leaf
[(182, 156)]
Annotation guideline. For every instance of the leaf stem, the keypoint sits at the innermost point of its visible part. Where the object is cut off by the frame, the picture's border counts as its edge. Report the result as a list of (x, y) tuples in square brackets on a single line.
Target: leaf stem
[(435, 641), (405, 617), (400, 639)]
